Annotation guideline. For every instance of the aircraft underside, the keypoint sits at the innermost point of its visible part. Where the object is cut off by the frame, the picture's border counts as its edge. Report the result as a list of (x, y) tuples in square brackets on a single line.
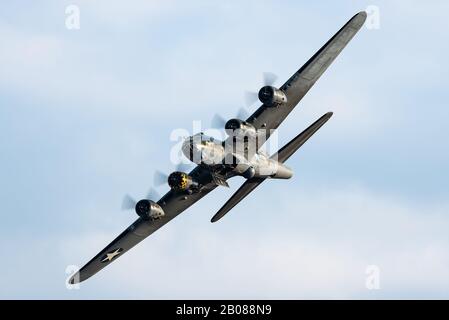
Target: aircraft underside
[(239, 155)]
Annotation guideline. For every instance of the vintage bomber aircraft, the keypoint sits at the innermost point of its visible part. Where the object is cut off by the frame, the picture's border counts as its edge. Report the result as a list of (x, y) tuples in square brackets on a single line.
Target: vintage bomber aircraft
[(256, 167)]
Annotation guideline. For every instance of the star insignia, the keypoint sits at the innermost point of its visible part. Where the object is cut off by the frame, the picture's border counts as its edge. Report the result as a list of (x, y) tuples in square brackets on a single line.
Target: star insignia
[(111, 255)]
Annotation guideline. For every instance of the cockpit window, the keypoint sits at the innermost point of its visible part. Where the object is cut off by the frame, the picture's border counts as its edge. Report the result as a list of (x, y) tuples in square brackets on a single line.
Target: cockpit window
[(201, 138)]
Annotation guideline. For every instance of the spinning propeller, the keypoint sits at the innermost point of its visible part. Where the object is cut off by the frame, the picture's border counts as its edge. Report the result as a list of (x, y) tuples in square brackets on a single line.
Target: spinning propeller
[(219, 122), (268, 80), (129, 202), (160, 178)]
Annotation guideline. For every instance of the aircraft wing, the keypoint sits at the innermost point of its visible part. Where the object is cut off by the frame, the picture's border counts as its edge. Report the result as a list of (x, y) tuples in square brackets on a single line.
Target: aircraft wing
[(173, 203), (299, 84)]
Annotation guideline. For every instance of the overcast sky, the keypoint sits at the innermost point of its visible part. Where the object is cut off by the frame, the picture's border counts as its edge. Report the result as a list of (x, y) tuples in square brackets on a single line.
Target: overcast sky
[(86, 117)]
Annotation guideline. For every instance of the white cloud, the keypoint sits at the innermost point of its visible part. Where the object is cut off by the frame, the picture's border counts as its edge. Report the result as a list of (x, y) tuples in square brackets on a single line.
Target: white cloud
[(308, 248)]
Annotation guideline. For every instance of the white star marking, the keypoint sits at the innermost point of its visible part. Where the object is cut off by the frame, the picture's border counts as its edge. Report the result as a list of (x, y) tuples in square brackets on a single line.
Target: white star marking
[(111, 255)]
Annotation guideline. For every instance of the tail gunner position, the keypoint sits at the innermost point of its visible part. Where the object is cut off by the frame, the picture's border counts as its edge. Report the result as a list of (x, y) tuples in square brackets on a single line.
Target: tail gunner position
[(238, 155)]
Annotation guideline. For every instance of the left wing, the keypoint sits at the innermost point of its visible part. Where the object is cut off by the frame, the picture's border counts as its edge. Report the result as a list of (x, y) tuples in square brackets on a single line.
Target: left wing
[(173, 203)]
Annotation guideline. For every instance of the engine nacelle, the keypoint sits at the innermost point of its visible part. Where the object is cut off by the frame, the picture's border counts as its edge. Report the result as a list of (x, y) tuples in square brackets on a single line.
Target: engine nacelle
[(149, 210), (241, 128), (180, 181), (271, 96)]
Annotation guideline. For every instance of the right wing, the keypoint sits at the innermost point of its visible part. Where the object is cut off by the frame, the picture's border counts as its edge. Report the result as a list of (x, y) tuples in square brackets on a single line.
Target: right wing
[(299, 84)]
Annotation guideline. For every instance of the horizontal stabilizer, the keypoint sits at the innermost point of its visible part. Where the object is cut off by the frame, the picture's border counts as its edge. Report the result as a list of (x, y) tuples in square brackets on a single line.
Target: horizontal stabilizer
[(285, 152), (238, 196)]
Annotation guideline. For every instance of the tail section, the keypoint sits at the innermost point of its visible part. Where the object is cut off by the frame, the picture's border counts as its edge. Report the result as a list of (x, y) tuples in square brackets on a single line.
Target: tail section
[(282, 155)]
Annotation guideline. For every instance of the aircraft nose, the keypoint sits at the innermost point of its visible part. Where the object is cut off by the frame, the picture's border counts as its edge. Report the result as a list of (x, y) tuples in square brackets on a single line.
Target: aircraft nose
[(187, 147)]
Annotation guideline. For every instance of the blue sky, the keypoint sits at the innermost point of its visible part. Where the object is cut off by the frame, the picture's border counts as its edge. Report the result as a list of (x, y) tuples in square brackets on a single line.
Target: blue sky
[(86, 117)]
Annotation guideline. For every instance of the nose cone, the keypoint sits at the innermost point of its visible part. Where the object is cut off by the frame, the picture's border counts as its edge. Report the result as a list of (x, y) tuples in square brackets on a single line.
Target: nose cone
[(143, 207), (178, 180), (266, 94)]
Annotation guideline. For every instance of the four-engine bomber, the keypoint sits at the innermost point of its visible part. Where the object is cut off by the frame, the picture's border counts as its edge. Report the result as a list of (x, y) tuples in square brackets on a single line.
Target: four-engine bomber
[(239, 155)]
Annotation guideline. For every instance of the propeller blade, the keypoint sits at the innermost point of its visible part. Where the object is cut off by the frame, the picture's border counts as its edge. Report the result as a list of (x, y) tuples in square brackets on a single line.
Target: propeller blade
[(242, 114), (183, 167), (152, 194), (251, 97), (269, 78), (128, 202), (160, 178), (218, 122)]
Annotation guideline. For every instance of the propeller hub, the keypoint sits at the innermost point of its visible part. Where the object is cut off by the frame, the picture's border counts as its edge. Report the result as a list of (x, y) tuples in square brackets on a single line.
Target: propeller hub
[(271, 96), (178, 180), (143, 207)]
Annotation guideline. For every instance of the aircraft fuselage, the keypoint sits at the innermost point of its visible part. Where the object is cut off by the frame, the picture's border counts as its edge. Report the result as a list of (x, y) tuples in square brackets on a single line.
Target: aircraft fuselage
[(237, 153)]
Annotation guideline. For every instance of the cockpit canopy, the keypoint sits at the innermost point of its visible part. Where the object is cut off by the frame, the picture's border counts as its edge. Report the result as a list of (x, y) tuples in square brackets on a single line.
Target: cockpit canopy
[(200, 146), (200, 139)]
